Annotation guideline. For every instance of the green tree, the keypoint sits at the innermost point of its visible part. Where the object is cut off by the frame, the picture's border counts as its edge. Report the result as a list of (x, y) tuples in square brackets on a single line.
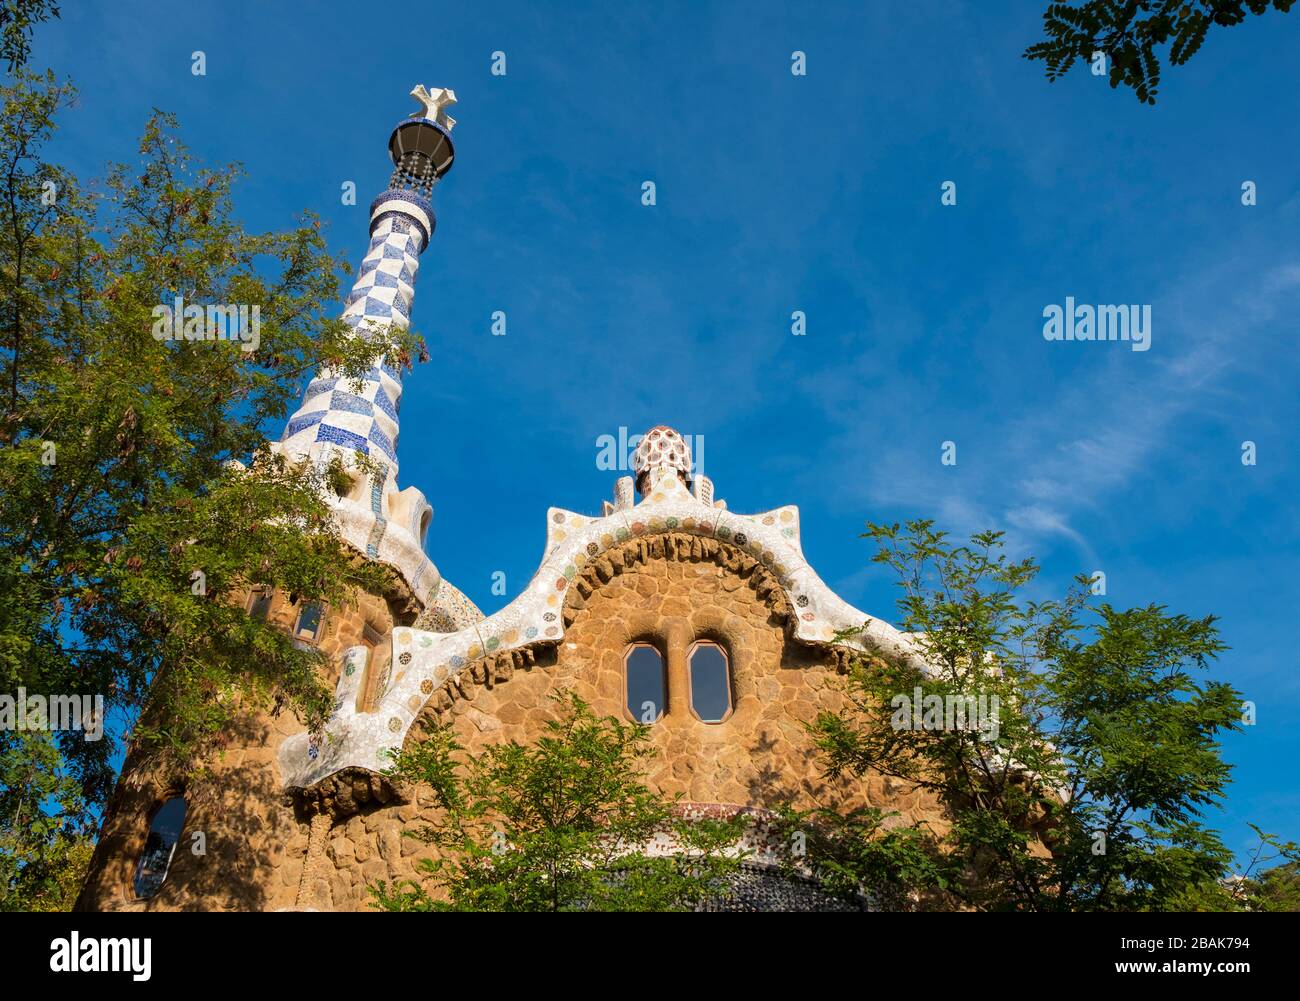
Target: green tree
[(1084, 784), (1276, 889), (138, 498), (865, 855), (17, 19), (1129, 32), (1268, 889), (44, 842), (561, 825)]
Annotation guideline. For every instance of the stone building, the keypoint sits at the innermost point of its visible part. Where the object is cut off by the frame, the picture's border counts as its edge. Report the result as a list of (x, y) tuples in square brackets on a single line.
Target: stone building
[(667, 607)]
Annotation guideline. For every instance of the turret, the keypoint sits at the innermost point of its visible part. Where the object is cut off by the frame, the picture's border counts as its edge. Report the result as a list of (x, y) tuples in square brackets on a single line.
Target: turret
[(341, 419)]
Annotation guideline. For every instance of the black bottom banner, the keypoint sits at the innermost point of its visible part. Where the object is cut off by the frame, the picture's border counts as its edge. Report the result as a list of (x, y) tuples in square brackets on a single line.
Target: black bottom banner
[(141, 951)]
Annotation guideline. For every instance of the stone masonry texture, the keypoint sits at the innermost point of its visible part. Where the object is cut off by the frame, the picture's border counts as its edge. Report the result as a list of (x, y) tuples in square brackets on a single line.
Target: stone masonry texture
[(321, 848)]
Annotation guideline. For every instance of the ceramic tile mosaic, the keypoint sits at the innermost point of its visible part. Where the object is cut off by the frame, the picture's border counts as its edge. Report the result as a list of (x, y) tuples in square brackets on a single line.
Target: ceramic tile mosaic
[(345, 417), (536, 615), (342, 417), (661, 447)]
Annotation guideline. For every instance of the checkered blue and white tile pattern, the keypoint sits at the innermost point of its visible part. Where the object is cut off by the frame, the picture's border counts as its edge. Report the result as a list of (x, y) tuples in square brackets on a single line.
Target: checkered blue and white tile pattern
[(335, 411)]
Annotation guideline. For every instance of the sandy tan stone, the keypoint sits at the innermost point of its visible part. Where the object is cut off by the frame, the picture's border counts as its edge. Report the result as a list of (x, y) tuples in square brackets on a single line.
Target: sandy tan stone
[(669, 591)]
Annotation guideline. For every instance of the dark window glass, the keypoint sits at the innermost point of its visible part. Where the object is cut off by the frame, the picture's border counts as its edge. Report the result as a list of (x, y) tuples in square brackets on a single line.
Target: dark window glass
[(259, 603), (710, 683), (647, 689), (309, 621), (159, 846)]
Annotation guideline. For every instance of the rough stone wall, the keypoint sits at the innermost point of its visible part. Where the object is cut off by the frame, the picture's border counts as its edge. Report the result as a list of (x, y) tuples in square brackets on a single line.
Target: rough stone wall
[(760, 754), (323, 849), (256, 840), (670, 591)]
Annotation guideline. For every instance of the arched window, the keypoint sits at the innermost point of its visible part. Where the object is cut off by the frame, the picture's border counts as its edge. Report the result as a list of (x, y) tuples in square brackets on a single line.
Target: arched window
[(645, 683), (159, 846), (710, 682)]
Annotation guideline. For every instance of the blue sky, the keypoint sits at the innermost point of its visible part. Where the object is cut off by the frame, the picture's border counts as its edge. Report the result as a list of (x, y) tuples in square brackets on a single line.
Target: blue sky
[(822, 194)]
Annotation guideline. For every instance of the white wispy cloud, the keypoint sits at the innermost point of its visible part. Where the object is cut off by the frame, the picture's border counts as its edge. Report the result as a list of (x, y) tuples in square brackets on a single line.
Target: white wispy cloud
[(1041, 466)]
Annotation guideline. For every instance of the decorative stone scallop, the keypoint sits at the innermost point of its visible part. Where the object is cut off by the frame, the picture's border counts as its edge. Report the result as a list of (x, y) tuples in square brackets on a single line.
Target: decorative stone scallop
[(536, 616)]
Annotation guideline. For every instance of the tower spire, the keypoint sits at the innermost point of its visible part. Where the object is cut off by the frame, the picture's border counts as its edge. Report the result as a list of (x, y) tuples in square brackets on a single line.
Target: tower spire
[(401, 223), (339, 419)]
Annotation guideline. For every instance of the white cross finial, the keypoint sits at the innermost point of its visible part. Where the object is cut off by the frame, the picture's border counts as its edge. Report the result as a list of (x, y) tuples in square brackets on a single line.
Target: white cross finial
[(434, 102)]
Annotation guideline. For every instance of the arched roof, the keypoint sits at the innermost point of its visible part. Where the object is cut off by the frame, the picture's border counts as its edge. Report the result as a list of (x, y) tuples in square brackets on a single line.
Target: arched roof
[(423, 661)]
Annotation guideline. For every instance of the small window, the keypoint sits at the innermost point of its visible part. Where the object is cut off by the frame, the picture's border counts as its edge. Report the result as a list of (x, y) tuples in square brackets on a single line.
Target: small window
[(371, 636), (309, 622), (159, 846), (645, 684), (710, 682), (259, 603)]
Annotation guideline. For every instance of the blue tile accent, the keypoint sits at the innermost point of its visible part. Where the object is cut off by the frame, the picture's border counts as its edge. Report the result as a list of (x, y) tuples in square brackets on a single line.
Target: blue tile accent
[(384, 404), (404, 195), (379, 438), (350, 403), (406, 226), (341, 436), (377, 489), (318, 386), (377, 505), (302, 422), (369, 331), (376, 534)]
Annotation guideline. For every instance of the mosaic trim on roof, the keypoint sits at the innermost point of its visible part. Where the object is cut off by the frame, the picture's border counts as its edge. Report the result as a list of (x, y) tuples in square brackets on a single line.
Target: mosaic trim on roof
[(662, 446), (424, 660)]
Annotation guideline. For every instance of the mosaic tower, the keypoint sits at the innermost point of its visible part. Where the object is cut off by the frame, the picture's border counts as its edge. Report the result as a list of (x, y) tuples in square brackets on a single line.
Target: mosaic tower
[(335, 413), (667, 608), (340, 420), (341, 416)]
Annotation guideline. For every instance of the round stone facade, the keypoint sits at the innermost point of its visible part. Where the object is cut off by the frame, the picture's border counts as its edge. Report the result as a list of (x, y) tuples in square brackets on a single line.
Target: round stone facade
[(323, 848)]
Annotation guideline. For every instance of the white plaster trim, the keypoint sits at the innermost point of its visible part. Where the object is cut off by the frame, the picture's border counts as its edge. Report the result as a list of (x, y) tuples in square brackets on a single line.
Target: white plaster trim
[(364, 740), (406, 208)]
